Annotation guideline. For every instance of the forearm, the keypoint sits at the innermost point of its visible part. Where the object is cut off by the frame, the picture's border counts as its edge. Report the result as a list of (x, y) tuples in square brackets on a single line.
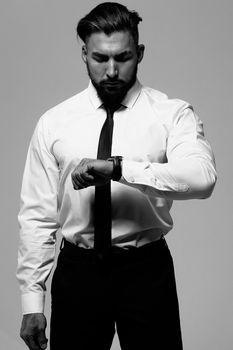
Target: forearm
[(184, 179)]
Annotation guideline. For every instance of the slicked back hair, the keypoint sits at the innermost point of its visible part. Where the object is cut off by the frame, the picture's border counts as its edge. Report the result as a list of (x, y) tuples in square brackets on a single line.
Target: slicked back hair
[(109, 17)]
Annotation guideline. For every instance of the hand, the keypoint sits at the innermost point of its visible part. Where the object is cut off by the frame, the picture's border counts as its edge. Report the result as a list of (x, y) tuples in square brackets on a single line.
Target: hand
[(91, 172), (33, 331)]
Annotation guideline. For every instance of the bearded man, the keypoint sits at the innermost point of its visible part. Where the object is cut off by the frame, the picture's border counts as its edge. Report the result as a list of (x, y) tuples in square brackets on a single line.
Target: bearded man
[(104, 167)]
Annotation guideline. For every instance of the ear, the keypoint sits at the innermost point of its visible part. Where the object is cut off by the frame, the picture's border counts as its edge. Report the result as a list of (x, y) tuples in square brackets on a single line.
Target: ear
[(140, 52), (84, 53)]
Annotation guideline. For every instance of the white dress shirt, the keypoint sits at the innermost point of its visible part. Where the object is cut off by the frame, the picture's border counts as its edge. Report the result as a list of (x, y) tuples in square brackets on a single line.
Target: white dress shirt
[(165, 157)]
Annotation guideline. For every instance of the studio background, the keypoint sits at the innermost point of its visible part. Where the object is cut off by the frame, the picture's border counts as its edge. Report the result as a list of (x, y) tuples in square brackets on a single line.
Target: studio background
[(189, 55)]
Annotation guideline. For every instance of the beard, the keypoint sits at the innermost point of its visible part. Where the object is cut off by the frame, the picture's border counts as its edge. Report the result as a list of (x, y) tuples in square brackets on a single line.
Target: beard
[(113, 91)]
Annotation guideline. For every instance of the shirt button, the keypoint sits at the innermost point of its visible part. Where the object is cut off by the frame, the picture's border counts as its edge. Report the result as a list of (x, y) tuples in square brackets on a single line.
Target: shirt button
[(132, 179)]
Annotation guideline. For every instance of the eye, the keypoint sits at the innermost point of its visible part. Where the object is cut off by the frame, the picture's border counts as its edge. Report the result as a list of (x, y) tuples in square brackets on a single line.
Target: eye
[(100, 58), (123, 58)]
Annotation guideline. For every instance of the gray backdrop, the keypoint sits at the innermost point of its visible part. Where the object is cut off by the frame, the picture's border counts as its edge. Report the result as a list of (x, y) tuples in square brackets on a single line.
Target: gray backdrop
[(188, 55)]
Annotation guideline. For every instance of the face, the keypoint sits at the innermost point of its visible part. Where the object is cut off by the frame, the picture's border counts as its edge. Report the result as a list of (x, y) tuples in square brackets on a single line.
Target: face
[(112, 62)]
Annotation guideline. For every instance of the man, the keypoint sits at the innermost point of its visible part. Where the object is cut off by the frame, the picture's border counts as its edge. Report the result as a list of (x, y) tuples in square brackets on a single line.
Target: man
[(104, 167)]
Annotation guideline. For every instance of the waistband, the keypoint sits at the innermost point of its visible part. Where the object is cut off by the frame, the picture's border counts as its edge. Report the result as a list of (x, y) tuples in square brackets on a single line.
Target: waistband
[(131, 253)]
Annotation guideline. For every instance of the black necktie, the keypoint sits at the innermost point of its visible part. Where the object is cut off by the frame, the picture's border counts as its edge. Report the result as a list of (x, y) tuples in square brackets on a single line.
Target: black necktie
[(103, 209)]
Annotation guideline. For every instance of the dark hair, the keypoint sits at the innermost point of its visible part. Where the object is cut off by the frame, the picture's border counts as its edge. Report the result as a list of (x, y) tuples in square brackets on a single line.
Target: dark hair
[(109, 17)]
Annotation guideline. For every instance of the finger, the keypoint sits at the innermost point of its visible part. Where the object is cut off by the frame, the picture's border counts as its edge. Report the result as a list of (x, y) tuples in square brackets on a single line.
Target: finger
[(99, 178), (42, 340), (77, 182), (82, 180), (87, 178), (30, 341)]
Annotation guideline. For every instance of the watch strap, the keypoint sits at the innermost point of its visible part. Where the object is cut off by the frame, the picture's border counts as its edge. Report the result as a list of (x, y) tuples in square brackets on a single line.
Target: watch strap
[(117, 167)]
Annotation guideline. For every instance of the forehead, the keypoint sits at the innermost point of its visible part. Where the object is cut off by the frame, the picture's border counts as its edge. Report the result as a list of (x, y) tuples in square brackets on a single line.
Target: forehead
[(111, 44)]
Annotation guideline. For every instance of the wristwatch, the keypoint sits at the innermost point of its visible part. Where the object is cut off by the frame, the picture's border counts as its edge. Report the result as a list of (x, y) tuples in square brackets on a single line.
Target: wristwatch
[(117, 168)]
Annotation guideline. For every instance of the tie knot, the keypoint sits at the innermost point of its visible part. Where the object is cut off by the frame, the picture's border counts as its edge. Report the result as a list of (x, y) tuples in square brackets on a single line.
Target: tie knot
[(111, 109)]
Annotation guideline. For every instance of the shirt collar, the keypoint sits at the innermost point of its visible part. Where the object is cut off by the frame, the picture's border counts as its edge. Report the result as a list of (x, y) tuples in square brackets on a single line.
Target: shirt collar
[(128, 101)]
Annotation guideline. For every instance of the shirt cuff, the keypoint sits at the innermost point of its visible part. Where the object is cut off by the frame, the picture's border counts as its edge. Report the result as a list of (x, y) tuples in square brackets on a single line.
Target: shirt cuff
[(132, 170), (32, 303), (141, 174)]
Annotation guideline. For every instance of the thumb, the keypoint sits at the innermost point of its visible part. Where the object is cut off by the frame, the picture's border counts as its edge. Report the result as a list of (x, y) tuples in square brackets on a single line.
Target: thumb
[(42, 340)]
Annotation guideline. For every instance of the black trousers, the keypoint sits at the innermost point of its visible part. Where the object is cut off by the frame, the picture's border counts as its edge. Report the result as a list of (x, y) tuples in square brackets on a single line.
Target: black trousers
[(132, 290)]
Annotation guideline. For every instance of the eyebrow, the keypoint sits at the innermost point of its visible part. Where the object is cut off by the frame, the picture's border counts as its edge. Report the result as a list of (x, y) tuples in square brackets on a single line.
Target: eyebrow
[(117, 56)]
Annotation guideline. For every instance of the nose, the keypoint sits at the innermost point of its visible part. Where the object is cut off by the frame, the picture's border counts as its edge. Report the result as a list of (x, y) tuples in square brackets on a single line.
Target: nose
[(112, 70)]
